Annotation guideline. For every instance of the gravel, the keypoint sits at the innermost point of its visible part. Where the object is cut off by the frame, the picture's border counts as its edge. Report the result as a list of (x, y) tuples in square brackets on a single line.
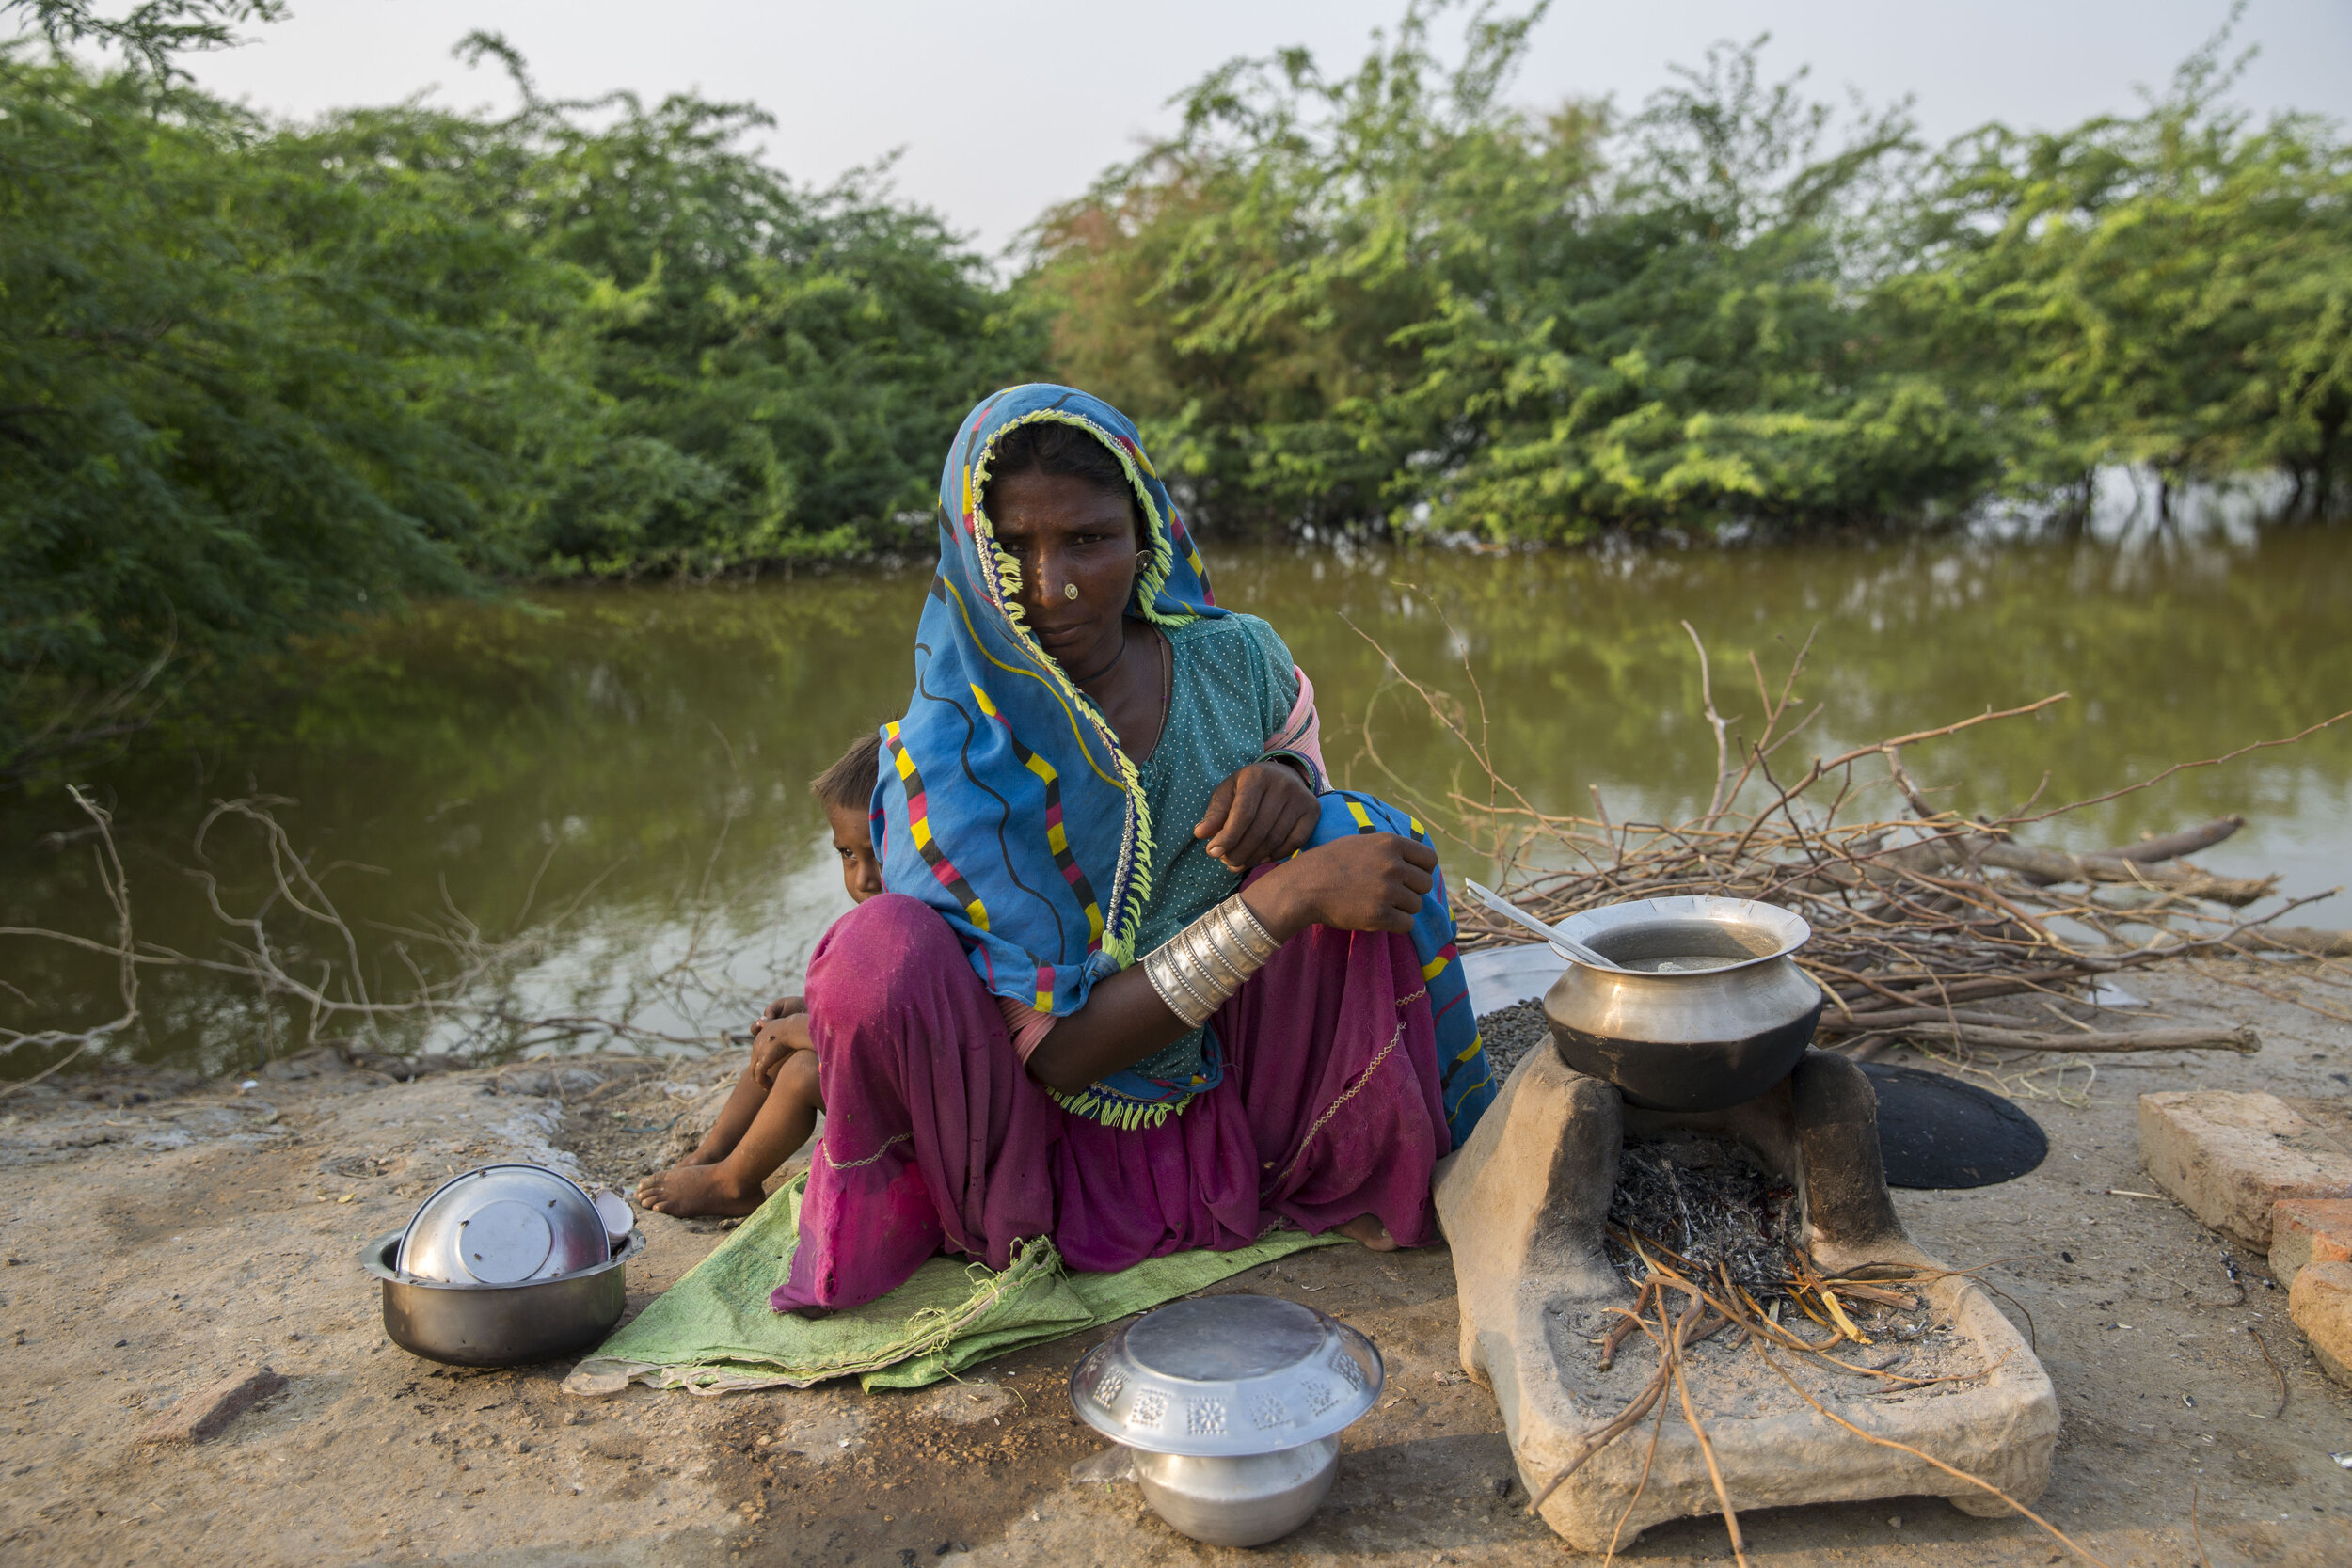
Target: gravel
[(1510, 1033)]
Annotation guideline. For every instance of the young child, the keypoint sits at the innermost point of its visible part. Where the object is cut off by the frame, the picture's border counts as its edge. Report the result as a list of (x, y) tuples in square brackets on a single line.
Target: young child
[(773, 1108)]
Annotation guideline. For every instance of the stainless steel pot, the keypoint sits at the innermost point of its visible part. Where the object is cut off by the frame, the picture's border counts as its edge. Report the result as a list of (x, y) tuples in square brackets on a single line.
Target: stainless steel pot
[(471, 1324), (1715, 1010), (1244, 1500), (1234, 1404)]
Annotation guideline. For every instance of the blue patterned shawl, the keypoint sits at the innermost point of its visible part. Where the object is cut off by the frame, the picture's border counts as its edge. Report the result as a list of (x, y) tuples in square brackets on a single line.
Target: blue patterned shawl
[(1003, 800)]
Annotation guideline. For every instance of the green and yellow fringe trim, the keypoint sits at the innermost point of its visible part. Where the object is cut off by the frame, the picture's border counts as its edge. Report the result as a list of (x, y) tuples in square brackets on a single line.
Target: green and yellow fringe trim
[(1134, 873), (1113, 1109)]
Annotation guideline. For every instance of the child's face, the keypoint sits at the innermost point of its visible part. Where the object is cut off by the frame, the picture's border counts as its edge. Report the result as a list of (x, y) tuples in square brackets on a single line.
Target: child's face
[(861, 874)]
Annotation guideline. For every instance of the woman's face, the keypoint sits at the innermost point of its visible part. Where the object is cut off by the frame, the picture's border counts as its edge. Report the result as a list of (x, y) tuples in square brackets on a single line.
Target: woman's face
[(1068, 533)]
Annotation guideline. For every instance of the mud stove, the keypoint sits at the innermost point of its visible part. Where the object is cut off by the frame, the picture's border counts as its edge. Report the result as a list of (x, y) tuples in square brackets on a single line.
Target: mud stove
[(1525, 1201)]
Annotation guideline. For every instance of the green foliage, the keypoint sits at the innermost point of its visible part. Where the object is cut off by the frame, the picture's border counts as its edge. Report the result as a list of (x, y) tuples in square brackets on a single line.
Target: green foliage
[(254, 377), (772, 368), (150, 33), (221, 387), (1388, 297), (2173, 289)]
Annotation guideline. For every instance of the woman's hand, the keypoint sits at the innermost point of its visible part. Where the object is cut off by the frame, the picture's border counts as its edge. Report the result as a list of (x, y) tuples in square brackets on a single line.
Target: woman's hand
[(1260, 813), (1367, 883)]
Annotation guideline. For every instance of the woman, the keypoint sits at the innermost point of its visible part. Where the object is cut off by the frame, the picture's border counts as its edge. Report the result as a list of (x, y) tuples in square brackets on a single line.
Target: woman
[(1069, 1015)]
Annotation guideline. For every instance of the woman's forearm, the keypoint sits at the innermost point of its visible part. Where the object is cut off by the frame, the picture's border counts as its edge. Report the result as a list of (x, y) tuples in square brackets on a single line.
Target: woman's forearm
[(1364, 882), (1124, 1022)]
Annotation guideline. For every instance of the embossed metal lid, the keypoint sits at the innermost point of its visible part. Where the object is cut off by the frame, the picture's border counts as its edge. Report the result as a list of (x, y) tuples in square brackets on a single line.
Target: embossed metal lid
[(1227, 1376)]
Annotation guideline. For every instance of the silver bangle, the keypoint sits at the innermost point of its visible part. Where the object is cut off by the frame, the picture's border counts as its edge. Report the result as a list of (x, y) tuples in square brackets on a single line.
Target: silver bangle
[(1200, 976), (1217, 934), (1227, 970), (1175, 988), (1199, 969), (1246, 926), (1173, 994)]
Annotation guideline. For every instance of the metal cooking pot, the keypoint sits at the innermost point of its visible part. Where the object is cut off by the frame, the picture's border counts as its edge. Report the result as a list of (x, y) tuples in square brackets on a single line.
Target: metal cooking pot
[(471, 1324), (1715, 1010), (1240, 1500), (1235, 1405)]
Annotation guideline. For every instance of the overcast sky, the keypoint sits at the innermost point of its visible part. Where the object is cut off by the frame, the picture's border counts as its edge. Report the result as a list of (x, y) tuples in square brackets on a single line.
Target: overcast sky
[(1003, 110)]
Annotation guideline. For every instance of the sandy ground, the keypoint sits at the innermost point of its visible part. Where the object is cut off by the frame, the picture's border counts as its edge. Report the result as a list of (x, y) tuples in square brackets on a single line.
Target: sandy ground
[(158, 1234)]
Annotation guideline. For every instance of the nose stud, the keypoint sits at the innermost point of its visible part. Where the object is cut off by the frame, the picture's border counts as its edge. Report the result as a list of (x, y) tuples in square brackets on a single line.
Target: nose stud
[(1069, 590)]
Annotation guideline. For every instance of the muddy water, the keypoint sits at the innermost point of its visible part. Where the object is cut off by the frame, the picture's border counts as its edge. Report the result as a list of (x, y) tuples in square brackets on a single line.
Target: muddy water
[(634, 760)]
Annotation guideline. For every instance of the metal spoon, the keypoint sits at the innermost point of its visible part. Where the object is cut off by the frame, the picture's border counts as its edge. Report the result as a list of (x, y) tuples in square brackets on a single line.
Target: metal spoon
[(1552, 934)]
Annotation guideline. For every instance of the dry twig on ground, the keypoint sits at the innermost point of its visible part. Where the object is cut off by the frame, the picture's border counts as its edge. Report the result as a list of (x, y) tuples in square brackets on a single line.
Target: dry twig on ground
[(304, 962)]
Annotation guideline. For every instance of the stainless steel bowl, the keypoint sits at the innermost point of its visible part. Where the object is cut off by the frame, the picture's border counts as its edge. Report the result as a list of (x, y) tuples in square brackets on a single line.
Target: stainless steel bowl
[(1714, 1013), (504, 1224), (1243, 1501), (1236, 1403), (473, 1325)]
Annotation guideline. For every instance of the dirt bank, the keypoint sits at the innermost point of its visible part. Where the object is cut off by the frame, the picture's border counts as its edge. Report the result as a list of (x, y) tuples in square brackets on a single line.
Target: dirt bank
[(158, 1234)]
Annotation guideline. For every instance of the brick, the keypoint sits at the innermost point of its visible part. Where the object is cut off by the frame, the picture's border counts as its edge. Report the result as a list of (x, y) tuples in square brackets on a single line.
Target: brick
[(206, 1412), (2321, 1305), (2228, 1157), (2309, 1230)]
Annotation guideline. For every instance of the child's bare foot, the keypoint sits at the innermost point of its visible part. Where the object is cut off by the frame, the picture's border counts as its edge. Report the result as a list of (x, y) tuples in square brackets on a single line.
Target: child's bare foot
[(698, 1192), (1368, 1229)]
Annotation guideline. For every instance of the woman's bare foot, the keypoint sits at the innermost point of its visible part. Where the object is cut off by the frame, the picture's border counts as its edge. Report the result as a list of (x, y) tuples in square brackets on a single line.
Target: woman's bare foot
[(1368, 1229), (699, 1191)]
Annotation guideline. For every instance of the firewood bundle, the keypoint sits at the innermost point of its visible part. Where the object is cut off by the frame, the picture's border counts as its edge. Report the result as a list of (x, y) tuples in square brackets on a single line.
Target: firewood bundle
[(1919, 917)]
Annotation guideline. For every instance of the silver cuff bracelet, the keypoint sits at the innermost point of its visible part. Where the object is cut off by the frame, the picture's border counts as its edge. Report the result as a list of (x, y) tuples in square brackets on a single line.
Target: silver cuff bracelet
[(1200, 968)]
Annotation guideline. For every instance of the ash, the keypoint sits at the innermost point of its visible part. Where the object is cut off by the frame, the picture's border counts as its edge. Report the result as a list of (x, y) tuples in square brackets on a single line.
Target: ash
[(1708, 1200)]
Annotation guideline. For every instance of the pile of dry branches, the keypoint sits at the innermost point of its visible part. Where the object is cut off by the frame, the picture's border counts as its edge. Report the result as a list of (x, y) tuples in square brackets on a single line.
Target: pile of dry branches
[(1918, 916)]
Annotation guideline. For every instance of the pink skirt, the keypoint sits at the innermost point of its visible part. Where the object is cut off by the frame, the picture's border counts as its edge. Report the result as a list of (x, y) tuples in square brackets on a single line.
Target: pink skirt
[(936, 1136)]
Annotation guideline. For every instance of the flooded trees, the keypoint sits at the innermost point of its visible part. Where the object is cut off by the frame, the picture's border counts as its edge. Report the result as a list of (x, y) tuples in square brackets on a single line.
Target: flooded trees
[(1391, 297)]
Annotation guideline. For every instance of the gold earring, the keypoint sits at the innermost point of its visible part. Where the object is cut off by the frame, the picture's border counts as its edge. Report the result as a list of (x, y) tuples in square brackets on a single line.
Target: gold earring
[(1069, 590)]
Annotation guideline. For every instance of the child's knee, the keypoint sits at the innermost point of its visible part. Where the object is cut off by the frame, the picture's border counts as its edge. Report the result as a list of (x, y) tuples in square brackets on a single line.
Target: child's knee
[(796, 1075), (875, 951)]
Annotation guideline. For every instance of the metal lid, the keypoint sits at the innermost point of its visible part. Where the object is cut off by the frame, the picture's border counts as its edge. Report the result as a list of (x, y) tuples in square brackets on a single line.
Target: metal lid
[(1227, 1376), (503, 1225)]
